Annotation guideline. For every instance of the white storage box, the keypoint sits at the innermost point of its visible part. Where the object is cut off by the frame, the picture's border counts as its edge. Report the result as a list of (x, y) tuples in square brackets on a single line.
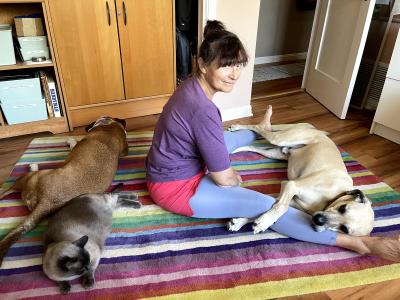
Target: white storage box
[(20, 89), (21, 111), (28, 53), (7, 55), (33, 42)]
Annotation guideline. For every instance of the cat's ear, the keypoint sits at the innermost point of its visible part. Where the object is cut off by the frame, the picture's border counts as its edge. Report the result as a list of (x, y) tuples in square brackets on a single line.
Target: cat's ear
[(81, 242)]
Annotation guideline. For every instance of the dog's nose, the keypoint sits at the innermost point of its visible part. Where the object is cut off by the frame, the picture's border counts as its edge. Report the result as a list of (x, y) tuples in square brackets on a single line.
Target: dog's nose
[(319, 219)]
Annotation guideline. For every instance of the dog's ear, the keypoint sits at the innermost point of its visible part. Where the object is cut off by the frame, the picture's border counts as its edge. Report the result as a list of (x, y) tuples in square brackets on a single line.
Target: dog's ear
[(122, 121), (87, 128), (357, 194)]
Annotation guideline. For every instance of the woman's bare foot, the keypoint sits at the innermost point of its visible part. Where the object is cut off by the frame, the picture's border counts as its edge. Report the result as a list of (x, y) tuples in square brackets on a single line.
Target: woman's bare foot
[(384, 247), (266, 123)]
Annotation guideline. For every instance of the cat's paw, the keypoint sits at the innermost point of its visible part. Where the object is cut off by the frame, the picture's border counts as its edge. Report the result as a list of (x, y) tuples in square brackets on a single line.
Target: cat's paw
[(88, 281), (65, 287)]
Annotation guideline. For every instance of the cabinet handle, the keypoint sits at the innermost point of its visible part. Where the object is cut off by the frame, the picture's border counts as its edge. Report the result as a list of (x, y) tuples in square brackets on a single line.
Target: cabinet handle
[(108, 13), (125, 15)]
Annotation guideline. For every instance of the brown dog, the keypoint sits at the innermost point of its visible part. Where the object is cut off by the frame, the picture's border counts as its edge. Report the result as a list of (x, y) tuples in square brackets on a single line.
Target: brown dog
[(89, 168)]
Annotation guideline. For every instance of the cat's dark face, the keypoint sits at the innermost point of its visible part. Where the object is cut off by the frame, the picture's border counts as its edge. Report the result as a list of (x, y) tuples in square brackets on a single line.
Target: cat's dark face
[(67, 260), (75, 264)]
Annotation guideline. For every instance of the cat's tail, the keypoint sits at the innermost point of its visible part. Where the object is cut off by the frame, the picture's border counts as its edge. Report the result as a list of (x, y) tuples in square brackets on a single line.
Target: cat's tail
[(129, 200), (126, 199)]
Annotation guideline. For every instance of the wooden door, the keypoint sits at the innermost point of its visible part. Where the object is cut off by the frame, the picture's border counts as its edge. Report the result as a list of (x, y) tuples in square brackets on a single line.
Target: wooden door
[(339, 33), (86, 36), (146, 31)]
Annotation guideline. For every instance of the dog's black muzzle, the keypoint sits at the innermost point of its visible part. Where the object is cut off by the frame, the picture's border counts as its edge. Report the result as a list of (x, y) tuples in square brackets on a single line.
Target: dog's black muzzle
[(319, 219)]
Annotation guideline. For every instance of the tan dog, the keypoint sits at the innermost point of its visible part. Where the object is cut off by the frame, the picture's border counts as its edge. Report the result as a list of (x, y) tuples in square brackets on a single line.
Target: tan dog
[(318, 181), (89, 168)]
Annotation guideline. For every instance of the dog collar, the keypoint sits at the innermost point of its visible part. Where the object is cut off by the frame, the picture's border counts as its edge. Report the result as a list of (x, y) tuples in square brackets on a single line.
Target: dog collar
[(102, 121)]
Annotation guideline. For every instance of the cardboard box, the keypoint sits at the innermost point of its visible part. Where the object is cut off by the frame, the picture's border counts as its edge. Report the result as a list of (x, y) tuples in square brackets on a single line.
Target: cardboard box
[(25, 26)]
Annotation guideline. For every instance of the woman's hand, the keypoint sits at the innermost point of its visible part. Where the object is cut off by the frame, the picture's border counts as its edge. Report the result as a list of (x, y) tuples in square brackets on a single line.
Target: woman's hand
[(226, 178)]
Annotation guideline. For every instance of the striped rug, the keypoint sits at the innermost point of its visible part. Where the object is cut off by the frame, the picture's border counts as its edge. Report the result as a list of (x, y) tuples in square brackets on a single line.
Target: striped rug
[(155, 254)]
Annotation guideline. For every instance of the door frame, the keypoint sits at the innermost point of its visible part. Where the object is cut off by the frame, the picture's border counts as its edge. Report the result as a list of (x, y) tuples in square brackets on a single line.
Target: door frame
[(311, 45), (207, 10)]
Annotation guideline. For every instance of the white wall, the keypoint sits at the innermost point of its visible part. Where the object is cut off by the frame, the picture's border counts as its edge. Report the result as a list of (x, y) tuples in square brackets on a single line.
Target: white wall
[(240, 17), (283, 28)]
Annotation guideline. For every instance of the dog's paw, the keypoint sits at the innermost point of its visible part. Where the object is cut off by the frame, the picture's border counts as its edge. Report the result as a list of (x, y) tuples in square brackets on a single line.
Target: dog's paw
[(33, 167), (236, 224), (71, 143), (235, 127), (263, 222), (285, 150)]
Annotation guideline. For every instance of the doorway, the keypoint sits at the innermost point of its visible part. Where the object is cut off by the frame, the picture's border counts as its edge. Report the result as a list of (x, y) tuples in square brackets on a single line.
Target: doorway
[(284, 31)]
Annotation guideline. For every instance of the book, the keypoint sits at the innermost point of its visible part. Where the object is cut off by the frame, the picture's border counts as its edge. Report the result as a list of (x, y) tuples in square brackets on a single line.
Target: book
[(46, 93), (55, 103)]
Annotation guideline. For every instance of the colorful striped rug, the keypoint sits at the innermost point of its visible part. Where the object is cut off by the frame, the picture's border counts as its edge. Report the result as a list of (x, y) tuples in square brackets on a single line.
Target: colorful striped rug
[(155, 254)]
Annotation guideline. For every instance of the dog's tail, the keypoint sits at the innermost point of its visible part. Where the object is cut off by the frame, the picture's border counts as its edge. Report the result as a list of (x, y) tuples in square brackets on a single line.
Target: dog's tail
[(7, 191), (20, 182)]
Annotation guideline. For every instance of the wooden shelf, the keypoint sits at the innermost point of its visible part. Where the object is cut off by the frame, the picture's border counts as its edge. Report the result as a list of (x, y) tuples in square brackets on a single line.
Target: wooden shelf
[(8, 10), (24, 65), (54, 125)]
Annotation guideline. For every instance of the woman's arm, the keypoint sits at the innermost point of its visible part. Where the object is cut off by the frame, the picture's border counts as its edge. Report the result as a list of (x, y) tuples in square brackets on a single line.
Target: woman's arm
[(226, 178)]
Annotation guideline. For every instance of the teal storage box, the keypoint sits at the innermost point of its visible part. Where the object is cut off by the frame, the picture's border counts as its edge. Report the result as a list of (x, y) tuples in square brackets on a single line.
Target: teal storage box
[(7, 55), (20, 89), (20, 111), (29, 53), (21, 100), (33, 42)]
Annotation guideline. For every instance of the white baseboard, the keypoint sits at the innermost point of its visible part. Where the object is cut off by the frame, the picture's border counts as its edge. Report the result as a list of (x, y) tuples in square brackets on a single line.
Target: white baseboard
[(278, 58), (236, 113), (386, 132)]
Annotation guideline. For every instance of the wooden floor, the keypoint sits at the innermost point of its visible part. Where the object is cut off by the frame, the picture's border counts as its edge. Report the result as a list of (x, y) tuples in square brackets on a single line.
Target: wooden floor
[(379, 155)]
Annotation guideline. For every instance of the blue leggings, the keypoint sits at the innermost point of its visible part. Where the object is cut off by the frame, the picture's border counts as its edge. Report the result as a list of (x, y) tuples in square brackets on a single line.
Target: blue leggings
[(212, 201)]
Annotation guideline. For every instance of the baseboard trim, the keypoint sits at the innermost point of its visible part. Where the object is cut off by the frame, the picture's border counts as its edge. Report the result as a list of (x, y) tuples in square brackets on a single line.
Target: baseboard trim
[(236, 113), (386, 132), (279, 58)]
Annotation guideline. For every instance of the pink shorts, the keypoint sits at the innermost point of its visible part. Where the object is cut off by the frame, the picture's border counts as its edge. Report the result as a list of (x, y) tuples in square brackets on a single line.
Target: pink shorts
[(174, 196)]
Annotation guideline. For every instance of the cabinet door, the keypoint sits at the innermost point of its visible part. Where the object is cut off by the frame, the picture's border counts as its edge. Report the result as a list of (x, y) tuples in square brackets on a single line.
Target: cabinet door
[(388, 110), (394, 66), (86, 35), (146, 30)]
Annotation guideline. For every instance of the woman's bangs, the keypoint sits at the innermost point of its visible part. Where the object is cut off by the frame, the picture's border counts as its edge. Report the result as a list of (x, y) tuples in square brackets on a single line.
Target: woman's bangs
[(231, 56)]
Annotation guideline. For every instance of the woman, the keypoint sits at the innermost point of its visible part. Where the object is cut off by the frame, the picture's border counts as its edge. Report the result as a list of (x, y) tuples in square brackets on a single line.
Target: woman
[(188, 166)]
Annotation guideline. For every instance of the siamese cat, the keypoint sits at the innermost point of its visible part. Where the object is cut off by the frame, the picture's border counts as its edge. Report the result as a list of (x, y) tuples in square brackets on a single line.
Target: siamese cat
[(76, 235)]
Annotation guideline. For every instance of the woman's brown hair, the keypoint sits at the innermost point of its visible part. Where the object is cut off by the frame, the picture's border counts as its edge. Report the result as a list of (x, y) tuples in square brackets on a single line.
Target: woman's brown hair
[(222, 46)]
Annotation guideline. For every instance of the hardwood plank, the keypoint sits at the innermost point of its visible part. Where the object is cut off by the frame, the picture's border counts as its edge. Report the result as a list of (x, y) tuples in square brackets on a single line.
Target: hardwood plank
[(376, 153)]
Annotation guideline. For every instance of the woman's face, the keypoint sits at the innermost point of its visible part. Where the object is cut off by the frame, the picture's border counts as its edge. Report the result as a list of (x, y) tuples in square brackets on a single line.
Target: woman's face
[(221, 79)]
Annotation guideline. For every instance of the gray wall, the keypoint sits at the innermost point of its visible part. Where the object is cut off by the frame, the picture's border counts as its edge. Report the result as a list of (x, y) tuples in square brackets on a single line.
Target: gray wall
[(282, 29)]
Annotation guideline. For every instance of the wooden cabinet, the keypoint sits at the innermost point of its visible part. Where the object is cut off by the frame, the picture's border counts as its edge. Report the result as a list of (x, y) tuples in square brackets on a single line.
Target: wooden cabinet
[(8, 10), (116, 56), (387, 121)]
